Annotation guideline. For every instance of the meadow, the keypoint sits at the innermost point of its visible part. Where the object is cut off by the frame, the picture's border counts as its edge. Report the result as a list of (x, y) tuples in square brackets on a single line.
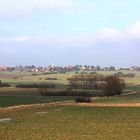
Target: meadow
[(66, 122), (18, 96), (71, 123)]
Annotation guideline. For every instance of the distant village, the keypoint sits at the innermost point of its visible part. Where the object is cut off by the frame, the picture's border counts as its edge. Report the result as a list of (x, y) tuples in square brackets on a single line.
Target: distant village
[(64, 69)]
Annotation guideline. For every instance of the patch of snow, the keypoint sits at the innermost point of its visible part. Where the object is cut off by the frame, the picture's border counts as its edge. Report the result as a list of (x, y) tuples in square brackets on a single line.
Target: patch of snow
[(43, 112), (57, 110), (5, 120)]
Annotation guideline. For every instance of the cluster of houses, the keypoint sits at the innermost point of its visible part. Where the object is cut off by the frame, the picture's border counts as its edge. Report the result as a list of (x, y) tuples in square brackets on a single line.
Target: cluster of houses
[(67, 68)]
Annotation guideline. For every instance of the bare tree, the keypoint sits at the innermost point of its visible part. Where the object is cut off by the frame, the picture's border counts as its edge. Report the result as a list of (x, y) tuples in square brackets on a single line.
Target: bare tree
[(85, 81), (113, 86)]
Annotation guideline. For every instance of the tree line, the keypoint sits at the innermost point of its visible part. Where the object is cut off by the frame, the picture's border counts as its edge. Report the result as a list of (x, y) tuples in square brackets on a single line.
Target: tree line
[(111, 85)]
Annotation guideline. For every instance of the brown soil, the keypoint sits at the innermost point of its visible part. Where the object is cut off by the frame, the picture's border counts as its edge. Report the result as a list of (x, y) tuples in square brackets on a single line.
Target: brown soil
[(68, 103), (105, 104), (18, 107), (8, 76)]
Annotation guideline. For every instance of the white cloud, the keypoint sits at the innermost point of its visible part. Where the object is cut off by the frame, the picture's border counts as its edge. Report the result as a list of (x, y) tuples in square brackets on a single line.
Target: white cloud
[(114, 35), (16, 39), (108, 34), (23, 38), (105, 35), (51, 4), (134, 30), (15, 8)]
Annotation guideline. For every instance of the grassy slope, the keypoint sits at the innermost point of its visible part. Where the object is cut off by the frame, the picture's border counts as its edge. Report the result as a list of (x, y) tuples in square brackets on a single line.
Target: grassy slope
[(29, 96), (72, 123), (134, 98), (19, 96), (22, 100), (27, 78), (131, 86)]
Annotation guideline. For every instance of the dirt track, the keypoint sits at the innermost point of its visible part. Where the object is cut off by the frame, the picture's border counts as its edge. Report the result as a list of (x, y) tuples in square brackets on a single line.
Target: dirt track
[(105, 104), (68, 103), (19, 107)]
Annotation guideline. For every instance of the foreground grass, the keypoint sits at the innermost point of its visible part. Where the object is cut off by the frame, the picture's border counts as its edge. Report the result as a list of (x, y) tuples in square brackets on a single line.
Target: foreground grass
[(72, 123)]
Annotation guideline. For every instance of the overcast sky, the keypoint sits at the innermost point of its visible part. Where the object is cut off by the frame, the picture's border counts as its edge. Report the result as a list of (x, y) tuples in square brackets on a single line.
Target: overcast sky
[(61, 32)]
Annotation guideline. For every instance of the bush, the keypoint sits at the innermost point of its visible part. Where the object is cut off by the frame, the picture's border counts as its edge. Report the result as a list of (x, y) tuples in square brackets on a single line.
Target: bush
[(120, 74), (113, 86), (83, 99), (34, 74), (35, 86), (69, 92), (130, 75), (51, 78), (85, 81), (4, 84)]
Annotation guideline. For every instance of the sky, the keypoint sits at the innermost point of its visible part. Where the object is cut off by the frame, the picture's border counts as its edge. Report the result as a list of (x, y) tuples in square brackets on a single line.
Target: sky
[(61, 32)]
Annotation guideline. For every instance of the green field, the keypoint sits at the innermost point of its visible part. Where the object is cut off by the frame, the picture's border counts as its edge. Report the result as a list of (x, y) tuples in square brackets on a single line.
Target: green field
[(134, 98), (29, 78), (72, 123), (19, 96), (63, 122)]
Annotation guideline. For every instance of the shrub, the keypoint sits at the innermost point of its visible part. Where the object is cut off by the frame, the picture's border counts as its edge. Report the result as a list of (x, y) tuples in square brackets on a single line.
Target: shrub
[(85, 81), (69, 92), (120, 74), (130, 75), (49, 78), (35, 86), (4, 84), (83, 99), (113, 86), (34, 74)]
